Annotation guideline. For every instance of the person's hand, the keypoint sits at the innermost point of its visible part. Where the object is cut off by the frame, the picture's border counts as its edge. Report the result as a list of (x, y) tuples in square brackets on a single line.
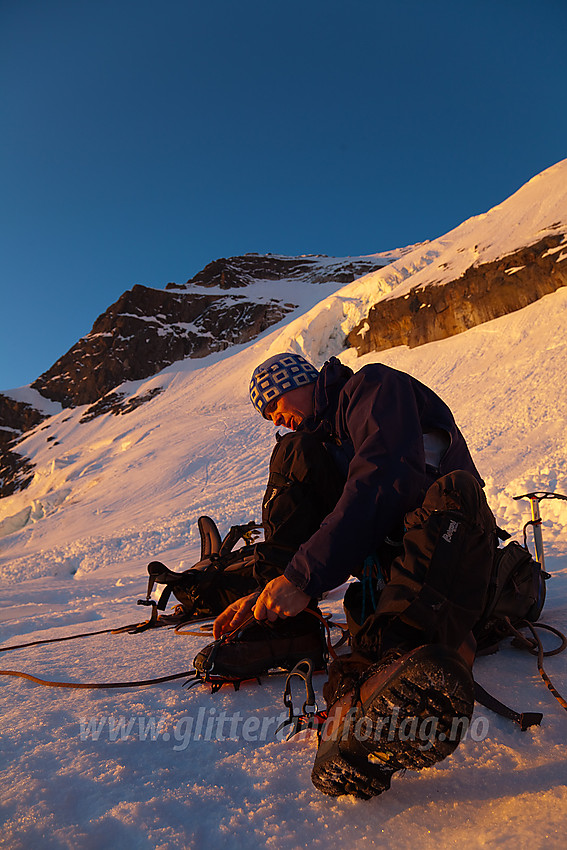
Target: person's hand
[(280, 598), (233, 616)]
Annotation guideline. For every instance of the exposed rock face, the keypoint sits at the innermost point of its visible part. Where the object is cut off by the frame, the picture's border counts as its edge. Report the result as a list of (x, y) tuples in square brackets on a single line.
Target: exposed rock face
[(16, 472), (148, 329), (16, 417), (118, 404), (482, 293), (240, 271)]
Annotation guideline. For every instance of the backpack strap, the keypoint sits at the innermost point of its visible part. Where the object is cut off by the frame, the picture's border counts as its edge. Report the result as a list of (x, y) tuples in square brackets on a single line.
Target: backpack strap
[(248, 533), (210, 537), (159, 574), (535, 647), (524, 719)]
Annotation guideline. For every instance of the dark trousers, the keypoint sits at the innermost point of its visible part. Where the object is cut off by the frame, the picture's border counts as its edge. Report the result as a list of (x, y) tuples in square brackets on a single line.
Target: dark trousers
[(436, 588)]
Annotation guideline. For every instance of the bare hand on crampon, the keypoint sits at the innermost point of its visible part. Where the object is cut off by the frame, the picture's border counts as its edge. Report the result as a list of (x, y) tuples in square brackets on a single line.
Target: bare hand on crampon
[(233, 616), (280, 598)]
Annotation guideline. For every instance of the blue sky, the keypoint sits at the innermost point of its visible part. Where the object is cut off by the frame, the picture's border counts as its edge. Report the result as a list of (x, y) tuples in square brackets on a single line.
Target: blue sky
[(142, 139)]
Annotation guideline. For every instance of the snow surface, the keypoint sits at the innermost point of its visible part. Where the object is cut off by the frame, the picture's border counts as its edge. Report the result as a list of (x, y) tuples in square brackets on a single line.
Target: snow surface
[(111, 494)]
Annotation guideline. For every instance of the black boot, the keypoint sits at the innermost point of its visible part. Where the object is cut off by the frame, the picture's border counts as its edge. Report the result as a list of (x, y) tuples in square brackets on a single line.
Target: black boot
[(260, 646), (409, 710)]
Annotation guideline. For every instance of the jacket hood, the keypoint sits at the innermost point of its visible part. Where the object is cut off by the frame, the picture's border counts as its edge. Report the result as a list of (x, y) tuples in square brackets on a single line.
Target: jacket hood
[(332, 378)]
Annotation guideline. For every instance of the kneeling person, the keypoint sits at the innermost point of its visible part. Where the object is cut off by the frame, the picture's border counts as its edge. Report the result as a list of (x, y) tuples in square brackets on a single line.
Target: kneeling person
[(406, 512)]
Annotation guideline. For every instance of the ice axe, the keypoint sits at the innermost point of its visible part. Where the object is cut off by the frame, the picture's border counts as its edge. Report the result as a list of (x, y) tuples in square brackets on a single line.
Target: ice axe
[(535, 498)]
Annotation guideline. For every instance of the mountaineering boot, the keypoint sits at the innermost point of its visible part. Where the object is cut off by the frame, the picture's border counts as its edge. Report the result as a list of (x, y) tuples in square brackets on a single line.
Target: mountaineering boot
[(408, 710), (260, 646)]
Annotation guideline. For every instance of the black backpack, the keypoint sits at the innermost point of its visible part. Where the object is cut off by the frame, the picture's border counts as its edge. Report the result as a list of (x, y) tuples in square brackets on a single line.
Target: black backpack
[(220, 577), (515, 600), (516, 593)]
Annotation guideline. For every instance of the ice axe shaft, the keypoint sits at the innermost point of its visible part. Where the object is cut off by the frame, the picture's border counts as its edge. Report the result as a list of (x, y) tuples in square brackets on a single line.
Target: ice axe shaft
[(536, 525)]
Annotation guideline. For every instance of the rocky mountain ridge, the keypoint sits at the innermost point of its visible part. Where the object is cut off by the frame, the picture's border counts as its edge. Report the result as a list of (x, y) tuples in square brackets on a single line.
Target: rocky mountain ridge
[(229, 302), (490, 265)]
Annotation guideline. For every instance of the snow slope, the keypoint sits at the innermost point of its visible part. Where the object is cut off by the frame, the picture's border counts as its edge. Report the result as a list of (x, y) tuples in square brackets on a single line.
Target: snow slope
[(162, 767), (119, 491), (125, 487)]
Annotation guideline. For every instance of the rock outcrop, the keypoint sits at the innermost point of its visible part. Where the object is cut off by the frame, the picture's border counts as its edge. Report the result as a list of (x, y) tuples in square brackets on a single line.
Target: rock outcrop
[(16, 417), (148, 329), (226, 303), (16, 472), (484, 292)]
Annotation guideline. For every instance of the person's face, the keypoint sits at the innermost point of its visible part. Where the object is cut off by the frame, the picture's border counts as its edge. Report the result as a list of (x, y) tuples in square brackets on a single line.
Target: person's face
[(290, 409)]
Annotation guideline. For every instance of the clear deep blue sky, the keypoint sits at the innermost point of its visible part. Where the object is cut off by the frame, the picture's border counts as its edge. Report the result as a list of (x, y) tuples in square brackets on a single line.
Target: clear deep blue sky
[(142, 139)]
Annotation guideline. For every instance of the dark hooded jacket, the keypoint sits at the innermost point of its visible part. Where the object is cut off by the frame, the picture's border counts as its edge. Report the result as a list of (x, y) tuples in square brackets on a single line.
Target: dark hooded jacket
[(374, 421)]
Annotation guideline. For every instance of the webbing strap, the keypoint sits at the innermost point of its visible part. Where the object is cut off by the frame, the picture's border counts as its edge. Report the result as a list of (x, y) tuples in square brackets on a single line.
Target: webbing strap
[(328, 623), (524, 719), (96, 685), (535, 647)]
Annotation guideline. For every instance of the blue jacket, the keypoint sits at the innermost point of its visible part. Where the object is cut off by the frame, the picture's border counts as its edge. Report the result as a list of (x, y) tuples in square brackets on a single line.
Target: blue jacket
[(376, 420)]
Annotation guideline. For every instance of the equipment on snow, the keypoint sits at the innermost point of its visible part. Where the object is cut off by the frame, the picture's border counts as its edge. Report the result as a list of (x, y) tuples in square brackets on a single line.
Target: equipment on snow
[(536, 522), (516, 598), (513, 569), (516, 593), (259, 646), (220, 577)]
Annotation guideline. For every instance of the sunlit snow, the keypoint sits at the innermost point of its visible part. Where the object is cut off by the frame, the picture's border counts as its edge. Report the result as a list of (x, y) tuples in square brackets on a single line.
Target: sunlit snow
[(84, 768)]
